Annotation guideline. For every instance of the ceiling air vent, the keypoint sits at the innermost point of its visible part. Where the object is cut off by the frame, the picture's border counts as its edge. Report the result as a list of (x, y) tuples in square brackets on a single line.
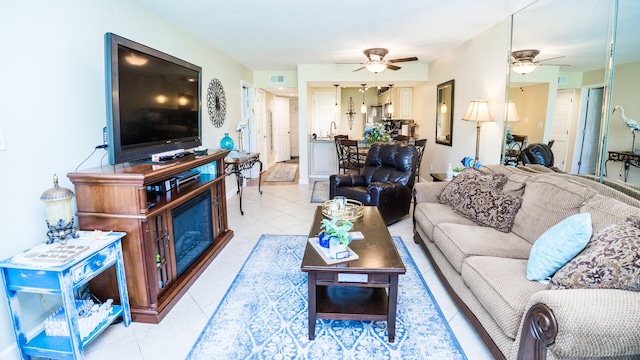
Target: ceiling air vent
[(277, 79), (563, 79)]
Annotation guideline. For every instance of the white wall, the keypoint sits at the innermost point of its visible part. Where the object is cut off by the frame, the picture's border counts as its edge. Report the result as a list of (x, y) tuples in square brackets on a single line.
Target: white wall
[(479, 69), (52, 105)]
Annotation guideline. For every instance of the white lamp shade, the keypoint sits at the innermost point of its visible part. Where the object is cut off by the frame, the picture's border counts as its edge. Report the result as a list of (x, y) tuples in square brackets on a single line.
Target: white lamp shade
[(363, 108), (478, 110), (390, 108), (375, 66), (524, 67), (512, 114), (58, 210)]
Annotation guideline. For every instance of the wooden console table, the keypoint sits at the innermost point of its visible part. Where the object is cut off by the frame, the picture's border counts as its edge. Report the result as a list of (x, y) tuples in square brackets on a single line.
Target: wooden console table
[(629, 158), (144, 200), (237, 166)]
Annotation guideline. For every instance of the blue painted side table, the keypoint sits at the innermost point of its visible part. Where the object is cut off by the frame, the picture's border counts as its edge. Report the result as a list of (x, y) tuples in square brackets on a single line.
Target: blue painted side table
[(60, 270)]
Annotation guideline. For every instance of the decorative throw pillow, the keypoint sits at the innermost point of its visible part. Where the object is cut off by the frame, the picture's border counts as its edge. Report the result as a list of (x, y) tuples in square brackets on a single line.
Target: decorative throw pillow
[(488, 207), (469, 178), (559, 244), (611, 260)]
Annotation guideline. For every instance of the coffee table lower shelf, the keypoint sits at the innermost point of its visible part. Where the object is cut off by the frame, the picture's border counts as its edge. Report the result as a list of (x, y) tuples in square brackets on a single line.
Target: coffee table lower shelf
[(351, 303)]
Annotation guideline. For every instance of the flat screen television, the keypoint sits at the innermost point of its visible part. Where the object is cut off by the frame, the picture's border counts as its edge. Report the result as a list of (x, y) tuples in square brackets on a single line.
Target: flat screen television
[(153, 101)]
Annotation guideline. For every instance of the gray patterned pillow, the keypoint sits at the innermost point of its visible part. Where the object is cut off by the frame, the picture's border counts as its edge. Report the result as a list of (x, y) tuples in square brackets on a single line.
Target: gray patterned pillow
[(456, 191), (488, 207), (611, 260)]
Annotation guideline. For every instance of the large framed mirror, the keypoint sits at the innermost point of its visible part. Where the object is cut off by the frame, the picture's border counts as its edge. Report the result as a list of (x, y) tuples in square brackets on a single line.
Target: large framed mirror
[(568, 93), (444, 113)]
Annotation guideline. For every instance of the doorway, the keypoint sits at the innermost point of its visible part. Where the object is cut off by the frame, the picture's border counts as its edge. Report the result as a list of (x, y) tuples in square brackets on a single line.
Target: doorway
[(587, 139)]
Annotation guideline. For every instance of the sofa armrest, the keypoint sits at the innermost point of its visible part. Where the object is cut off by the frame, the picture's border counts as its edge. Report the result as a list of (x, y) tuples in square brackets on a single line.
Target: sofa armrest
[(428, 191), (338, 180), (590, 322)]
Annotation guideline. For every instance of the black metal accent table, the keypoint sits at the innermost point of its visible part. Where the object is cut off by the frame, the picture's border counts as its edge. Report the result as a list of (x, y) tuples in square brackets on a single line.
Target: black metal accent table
[(627, 157), (238, 165)]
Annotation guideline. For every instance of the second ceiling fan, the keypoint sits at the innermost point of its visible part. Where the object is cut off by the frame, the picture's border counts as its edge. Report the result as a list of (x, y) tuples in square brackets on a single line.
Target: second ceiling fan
[(376, 62)]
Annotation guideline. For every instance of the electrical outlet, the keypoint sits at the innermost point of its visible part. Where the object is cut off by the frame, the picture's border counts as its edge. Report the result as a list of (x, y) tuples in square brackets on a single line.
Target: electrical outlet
[(3, 141), (430, 167)]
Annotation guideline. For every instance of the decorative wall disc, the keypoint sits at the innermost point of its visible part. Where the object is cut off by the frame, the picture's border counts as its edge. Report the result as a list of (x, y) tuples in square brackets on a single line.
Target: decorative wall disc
[(216, 103)]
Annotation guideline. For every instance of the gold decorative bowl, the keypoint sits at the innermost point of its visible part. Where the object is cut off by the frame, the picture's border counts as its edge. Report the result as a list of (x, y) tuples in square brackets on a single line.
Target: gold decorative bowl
[(353, 210)]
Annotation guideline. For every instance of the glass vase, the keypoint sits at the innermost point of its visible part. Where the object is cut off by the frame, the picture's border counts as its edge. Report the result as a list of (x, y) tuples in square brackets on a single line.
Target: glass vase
[(226, 142)]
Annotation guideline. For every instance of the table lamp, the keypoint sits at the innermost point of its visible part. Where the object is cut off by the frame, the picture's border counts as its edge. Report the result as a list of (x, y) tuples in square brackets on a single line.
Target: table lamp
[(478, 111), (57, 202)]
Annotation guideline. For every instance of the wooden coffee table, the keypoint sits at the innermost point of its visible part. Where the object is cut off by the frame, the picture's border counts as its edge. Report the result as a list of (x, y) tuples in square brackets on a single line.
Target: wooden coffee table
[(355, 290)]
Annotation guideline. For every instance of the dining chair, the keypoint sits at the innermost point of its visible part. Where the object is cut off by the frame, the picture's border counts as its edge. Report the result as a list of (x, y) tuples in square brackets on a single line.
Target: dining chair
[(420, 145), (336, 139), (350, 157), (514, 148)]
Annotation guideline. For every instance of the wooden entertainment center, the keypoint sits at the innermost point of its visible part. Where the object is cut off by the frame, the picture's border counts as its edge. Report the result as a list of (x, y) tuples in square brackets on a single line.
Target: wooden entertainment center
[(142, 200)]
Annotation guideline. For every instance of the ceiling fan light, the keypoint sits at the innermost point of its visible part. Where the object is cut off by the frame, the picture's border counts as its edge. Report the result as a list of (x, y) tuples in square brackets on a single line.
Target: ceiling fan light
[(375, 66), (524, 67)]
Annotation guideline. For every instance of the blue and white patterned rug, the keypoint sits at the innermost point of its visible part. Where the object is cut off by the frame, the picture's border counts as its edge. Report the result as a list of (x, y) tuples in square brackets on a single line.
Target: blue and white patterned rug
[(263, 315)]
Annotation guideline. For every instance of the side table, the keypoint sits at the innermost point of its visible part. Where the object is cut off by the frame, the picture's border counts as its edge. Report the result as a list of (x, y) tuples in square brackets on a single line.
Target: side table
[(237, 165), (38, 270), (437, 177)]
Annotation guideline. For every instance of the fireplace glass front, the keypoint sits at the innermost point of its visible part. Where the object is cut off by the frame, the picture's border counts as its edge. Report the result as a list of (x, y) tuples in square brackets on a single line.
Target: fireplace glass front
[(192, 230)]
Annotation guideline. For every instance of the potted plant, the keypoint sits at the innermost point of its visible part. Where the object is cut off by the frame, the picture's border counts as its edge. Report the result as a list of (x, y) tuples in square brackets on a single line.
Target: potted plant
[(335, 234)]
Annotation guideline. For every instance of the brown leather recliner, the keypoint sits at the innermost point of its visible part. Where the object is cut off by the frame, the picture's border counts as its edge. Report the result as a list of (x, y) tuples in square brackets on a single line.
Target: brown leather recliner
[(386, 181), (540, 154)]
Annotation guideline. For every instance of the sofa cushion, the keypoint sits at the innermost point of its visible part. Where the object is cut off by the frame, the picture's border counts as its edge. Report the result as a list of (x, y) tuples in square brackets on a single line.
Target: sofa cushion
[(428, 215), (547, 200), (502, 288), (457, 242), (606, 211), (558, 245), (611, 260), (469, 181), (489, 207), (516, 177)]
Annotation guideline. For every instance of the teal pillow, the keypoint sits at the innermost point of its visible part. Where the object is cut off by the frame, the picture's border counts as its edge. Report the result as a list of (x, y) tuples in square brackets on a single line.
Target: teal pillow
[(559, 244)]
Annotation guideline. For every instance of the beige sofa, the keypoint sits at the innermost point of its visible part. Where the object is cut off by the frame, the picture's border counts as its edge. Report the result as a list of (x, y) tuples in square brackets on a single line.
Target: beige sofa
[(485, 270)]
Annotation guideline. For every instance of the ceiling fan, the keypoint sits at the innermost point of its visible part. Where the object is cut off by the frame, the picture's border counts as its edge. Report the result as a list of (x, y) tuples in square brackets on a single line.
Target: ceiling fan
[(376, 62), (523, 61)]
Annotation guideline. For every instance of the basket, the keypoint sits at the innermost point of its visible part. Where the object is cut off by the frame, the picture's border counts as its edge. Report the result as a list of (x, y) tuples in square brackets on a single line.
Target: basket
[(353, 210)]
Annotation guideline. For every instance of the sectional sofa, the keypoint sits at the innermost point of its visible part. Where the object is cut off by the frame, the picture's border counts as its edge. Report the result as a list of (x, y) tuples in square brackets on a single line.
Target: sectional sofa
[(487, 230)]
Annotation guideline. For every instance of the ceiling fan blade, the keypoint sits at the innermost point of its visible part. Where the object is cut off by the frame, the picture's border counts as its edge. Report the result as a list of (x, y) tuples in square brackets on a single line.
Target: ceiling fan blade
[(554, 64), (413, 58), (553, 58), (393, 67), (358, 69)]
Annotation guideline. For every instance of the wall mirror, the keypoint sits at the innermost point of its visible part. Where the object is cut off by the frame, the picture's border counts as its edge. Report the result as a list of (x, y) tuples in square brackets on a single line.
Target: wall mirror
[(444, 113), (569, 92)]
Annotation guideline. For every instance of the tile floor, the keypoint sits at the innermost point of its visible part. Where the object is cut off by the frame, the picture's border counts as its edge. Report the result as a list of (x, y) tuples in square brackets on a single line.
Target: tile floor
[(281, 209)]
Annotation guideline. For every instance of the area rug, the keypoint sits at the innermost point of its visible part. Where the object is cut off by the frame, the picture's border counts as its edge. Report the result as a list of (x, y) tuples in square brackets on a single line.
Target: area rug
[(263, 315), (284, 172), (320, 192)]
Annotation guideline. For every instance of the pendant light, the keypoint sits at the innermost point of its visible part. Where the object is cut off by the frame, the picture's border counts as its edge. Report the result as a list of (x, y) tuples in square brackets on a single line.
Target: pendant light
[(336, 108), (390, 107), (363, 107)]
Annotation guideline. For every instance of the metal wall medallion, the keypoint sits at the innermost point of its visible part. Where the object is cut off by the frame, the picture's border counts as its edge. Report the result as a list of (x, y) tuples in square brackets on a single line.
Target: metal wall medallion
[(216, 103), (350, 113)]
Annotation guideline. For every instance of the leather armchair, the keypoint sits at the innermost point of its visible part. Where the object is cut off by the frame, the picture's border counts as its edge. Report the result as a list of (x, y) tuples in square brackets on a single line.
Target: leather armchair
[(540, 154), (386, 181)]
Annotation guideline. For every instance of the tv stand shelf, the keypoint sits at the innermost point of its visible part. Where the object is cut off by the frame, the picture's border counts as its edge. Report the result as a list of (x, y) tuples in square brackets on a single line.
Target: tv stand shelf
[(115, 198)]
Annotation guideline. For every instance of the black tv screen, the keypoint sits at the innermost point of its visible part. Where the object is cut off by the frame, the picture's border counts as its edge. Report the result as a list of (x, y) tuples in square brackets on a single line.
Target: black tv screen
[(153, 101)]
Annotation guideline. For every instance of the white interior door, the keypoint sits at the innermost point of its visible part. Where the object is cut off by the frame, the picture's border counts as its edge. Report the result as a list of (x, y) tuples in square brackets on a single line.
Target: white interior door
[(561, 123), (293, 117), (260, 108), (589, 136), (322, 113), (282, 129)]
